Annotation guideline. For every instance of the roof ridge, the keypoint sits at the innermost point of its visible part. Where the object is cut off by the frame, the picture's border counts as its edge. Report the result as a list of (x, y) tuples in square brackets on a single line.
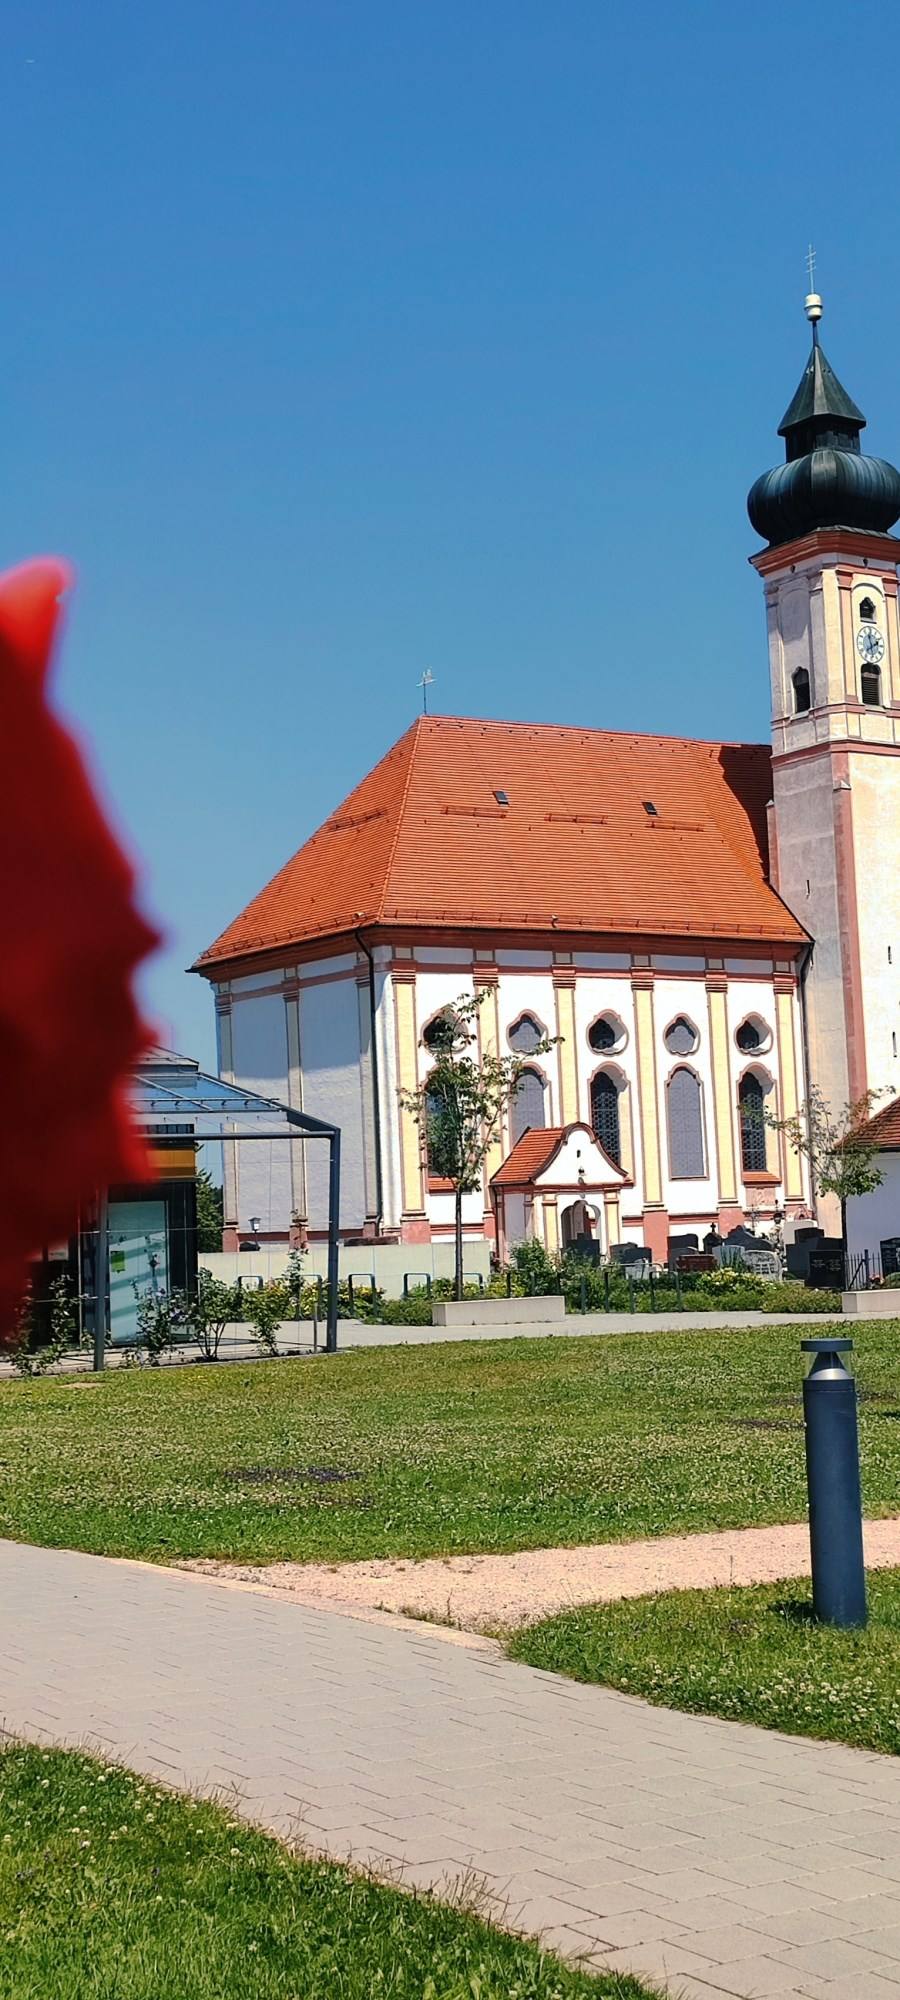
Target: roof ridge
[(414, 734), (590, 729)]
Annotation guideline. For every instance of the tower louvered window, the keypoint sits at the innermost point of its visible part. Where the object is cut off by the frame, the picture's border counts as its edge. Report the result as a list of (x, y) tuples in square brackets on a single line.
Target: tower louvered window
[(753, 1132), (685, 1112), (527, 1109), (802, 696), (605, 1116), (870, 685)]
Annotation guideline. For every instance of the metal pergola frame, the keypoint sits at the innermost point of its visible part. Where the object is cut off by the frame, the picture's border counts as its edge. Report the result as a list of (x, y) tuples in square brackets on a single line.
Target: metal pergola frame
[(212, 1108)]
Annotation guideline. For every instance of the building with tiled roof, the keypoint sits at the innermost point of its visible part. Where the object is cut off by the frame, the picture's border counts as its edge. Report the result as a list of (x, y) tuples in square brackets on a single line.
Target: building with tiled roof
[(700, 929)]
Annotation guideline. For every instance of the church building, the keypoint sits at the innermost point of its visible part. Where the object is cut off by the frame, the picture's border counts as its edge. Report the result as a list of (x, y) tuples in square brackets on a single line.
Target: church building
[(707, 930)]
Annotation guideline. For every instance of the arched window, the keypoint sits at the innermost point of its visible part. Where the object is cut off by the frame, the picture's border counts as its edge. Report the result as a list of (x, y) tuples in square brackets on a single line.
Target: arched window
[(525, 1034), (870, 684), (605, 1115), (802, 701), (527, 1107), (440, 1141), (751, 1098), (443, 1033), (681, 1037), (685, 1109)]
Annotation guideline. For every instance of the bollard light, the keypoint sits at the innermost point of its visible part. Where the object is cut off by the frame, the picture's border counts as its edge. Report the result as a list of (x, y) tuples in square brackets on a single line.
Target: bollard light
[(832, 1478)]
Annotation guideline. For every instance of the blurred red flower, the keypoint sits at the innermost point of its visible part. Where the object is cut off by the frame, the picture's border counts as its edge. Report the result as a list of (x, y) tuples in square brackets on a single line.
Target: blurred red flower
[(71, 938)]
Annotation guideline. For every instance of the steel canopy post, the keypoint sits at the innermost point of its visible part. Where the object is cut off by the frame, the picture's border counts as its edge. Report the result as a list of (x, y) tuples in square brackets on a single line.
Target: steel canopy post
[(334, 1228)]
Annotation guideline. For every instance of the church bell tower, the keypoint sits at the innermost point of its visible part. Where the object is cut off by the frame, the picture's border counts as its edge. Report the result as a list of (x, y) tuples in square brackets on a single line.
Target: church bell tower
[(830, 576)]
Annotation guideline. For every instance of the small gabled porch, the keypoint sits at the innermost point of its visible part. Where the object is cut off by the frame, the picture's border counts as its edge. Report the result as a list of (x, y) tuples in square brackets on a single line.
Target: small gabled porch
[(559, 1185)]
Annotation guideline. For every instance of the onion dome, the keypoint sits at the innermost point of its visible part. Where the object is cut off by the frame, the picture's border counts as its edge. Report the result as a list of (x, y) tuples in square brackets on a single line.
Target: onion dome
[(826, 481)]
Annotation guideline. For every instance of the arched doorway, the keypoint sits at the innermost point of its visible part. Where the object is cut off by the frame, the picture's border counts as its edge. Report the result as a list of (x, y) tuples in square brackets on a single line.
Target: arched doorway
[(577, 1220)]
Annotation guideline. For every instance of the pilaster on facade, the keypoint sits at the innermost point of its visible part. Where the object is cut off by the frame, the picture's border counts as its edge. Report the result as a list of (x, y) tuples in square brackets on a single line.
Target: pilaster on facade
[(787, 1026), (225, 1058), (367, 1074), (612, 1219), (299, 1200), (564, 980), (723, 1101), (486, 983), (642, 986), (403, 981)]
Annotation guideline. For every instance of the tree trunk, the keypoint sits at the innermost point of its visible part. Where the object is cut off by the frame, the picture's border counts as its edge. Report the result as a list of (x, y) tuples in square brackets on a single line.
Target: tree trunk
[(458, 1287)]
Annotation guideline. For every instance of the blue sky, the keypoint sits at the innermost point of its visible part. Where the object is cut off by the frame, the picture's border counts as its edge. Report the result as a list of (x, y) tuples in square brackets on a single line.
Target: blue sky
[(344, 338)]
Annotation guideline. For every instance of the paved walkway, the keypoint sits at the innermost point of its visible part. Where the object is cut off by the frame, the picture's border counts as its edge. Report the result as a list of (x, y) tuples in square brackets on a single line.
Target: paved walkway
[(296, 1336), (352, 1333), (722, 1859), (484, 1593)]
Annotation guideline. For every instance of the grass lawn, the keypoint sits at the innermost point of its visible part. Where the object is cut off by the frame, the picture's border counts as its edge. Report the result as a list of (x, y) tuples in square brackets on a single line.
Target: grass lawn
[(428, 1450), (753, 1655), (111, 1889)]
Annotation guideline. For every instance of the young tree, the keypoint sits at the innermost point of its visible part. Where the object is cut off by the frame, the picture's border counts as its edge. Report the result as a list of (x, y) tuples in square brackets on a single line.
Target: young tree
[(838, 1147), (210, 1213), (459, 1106)]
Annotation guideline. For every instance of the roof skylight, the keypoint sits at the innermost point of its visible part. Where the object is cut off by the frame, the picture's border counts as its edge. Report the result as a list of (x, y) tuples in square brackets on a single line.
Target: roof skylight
[(501, 798)]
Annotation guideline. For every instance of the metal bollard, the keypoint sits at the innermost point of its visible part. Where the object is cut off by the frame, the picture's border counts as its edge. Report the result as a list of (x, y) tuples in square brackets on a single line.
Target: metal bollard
[(584, 1291), (832, 1477)]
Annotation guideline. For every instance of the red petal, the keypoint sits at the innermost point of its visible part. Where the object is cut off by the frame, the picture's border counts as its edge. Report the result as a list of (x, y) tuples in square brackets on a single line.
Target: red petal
[(70, 940)]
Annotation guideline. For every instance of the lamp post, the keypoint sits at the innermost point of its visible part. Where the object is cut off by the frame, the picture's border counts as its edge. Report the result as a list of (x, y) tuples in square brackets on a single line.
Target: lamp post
[(832, 1477)]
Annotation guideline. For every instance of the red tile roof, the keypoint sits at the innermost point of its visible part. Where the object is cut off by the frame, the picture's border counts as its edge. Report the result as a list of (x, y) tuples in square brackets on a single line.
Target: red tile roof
[(529, 1156), (424, 841), (884, 1129)]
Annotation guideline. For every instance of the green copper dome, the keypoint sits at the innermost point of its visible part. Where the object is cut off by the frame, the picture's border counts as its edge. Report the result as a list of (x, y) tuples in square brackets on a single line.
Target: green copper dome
[(826, 480)]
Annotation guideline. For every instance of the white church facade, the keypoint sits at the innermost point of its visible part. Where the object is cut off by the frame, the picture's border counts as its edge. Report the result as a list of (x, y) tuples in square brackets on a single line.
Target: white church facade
[(704, 929)]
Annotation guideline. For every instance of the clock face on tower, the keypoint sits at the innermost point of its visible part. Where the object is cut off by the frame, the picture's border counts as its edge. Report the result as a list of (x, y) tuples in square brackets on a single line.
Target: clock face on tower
[(870, 644)]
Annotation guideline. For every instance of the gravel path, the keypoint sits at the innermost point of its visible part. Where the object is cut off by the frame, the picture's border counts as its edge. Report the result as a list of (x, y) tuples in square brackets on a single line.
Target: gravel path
[(484, 1593)]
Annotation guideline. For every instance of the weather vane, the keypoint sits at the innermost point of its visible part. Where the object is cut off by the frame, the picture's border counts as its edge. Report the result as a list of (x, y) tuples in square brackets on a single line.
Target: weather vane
[(425, 683), (813, 306)]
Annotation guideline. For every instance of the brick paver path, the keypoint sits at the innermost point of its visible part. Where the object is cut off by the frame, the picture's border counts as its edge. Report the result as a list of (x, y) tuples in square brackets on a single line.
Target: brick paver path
[(718, 1858)]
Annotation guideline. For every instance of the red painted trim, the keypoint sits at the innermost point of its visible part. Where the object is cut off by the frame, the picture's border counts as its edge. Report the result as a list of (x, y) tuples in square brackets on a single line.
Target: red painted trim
[(852, 543), (337, 944), (832, 746), (850, 705)]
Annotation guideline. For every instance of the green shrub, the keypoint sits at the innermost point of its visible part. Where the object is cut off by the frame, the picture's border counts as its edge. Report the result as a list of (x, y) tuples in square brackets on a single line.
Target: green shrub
[(412, 1311), (537, 1271), (789, 1296)]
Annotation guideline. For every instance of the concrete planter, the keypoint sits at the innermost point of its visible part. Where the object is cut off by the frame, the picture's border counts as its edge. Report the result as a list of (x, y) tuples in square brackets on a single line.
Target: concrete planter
[(872, 1305), (498, 1312)]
